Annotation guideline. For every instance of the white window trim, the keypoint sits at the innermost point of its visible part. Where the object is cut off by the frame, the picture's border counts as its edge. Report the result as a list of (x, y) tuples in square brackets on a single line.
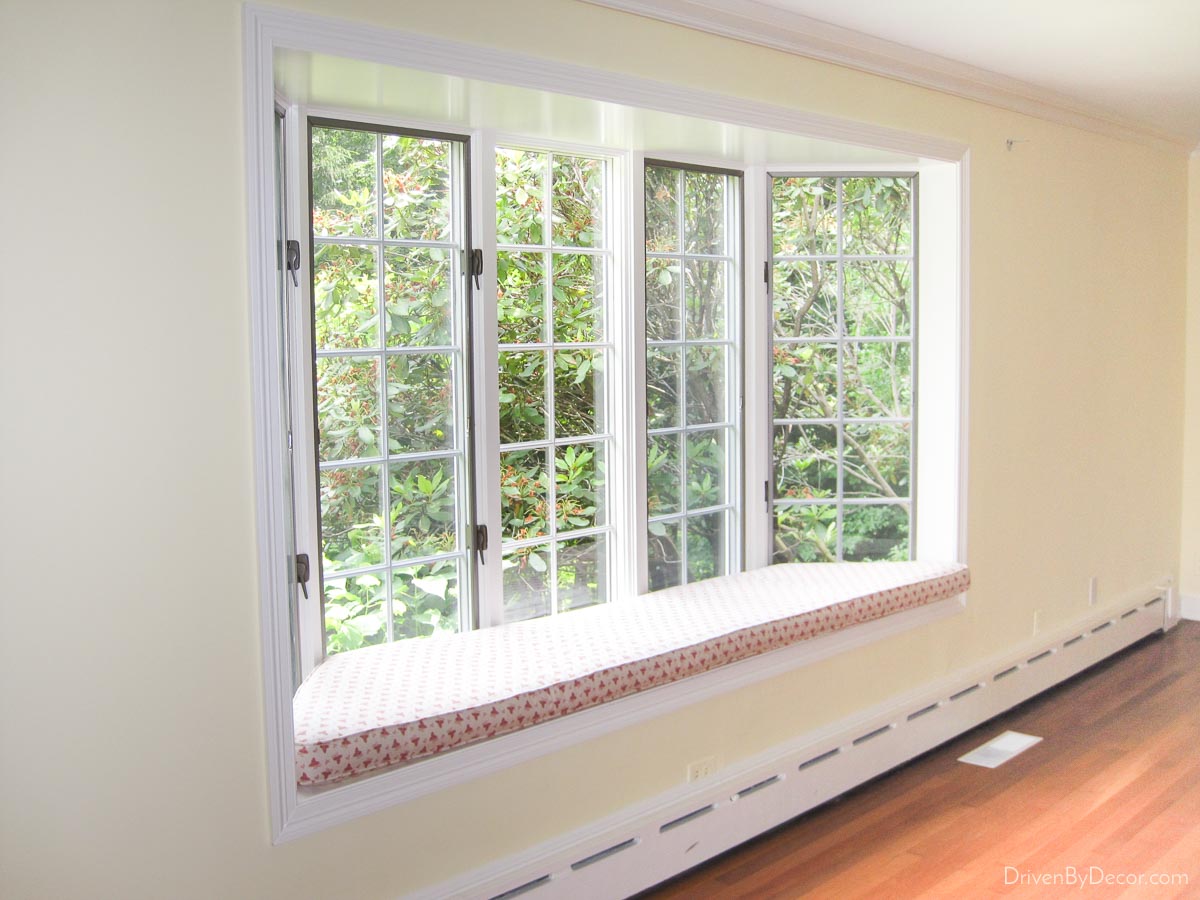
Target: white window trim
[(267, 29)]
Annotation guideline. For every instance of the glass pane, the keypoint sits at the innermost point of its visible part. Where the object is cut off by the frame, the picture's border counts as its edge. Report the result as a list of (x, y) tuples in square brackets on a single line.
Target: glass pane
[(805, 534), (425, 599), (355, 612), (804, 216), (348, 407), (706, 542), (873, 533), (876, 461), (576, 187), (806, 381), (417, 290), (343, 182), (522, 396), (704, 212), (420, 393), (806, 461), (527, 583), (878, 380), (520, 196), (578, 297), (664, 474), (706, 385), (581, 572), (520, 297), (804, 299), (578, 393), (345, 297), (663, 386), (662, 210), (351, 518), (579, 472), (524, 494), (878, 299), (662, 300), (704, 299), (706, 468), (423, 507), (877, 215), (416, 188), (665, 558)]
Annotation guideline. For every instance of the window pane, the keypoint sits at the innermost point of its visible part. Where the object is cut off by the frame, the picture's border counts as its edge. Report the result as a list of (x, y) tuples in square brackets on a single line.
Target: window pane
[(345, 297), (579, 486), (878, 298), (581, 572), (871, 533), (425, 599), (416, 188), (662, 300), (878, 379), (704, 212), (804, 216), (578, 394), (348, 407), (876, 461), (706, 385), (419, 298), (423, 507), (343, 182), (524, 494), (877, 215), (706, 468), (522, 396), (420, 393), (662, 210), (806, 461), (804, 299), (521, 297), (806, 381), (706, 543), (520, 196), (355, 612), (351, 518), (577, 192), (664, 554), (663, 365), (578, 297), (704, 299), (805, 534), (664, 477), (527, 583)]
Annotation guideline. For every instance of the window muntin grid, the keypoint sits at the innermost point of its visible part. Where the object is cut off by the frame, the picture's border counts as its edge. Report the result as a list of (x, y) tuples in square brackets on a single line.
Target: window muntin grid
[(554, 267), (390, 392), (841, 277), (693, 277)]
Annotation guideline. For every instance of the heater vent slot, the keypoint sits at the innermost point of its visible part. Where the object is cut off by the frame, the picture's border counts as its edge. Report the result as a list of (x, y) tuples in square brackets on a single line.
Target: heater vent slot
[(683, 820), (828, 754), (1128, 613), (765, 783), (922, 712), (972, 689), (1155, 600), (524, 888), (1039, 657), (871, 735), (1011, 670), (1074, 640), (603, 854), (1102, 626)]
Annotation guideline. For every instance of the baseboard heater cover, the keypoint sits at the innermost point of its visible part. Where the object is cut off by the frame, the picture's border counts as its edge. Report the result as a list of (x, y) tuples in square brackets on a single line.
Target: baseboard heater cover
[(656, 840)]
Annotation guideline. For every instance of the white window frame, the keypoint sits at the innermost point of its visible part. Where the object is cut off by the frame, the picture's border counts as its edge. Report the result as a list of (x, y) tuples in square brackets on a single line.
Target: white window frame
[(265, 30)]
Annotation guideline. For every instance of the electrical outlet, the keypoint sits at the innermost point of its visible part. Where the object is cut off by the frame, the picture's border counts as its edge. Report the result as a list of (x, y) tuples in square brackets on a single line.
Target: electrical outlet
[(704, 767), (1037, 621), (1092, 591)]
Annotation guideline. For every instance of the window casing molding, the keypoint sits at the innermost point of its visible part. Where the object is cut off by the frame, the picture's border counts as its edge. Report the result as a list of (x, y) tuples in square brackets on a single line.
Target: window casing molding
[(265, 30)]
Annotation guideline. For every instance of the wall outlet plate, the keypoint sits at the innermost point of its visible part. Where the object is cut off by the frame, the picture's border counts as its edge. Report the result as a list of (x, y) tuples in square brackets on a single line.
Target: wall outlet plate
[(704, 767)]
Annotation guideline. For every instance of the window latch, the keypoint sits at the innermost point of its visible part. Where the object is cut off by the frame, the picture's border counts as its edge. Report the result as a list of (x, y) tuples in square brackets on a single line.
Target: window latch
[(476, 269), (293, 261), (481, 539), (302, 572)]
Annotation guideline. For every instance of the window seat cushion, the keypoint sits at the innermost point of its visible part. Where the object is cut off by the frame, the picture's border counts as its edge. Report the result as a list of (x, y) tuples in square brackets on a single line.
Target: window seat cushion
[(386, 705)]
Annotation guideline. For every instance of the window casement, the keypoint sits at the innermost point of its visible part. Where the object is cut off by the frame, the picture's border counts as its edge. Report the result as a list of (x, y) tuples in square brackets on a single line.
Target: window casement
[(843, 263)]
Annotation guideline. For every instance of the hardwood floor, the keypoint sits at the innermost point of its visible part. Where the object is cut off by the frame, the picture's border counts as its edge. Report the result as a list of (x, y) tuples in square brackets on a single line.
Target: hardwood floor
[(1115, 784)]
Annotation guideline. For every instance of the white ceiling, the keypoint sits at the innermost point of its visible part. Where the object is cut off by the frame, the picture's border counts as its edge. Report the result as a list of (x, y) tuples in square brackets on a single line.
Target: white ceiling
[(1132, 62)]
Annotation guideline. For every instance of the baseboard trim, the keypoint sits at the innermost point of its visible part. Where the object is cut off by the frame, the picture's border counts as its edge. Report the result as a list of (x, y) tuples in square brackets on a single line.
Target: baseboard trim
[(652, 841), (1189, 607)]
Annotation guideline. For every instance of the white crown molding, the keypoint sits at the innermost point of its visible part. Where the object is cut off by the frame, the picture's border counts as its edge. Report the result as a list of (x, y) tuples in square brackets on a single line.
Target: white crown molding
[(768, 26)]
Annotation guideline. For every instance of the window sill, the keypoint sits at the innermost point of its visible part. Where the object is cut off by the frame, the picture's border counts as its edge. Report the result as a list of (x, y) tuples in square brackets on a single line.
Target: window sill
[(380, 708)]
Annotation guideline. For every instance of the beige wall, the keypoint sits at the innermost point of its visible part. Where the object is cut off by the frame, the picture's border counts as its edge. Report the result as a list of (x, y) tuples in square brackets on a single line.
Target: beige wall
[(1189, 561), (132, 748)]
